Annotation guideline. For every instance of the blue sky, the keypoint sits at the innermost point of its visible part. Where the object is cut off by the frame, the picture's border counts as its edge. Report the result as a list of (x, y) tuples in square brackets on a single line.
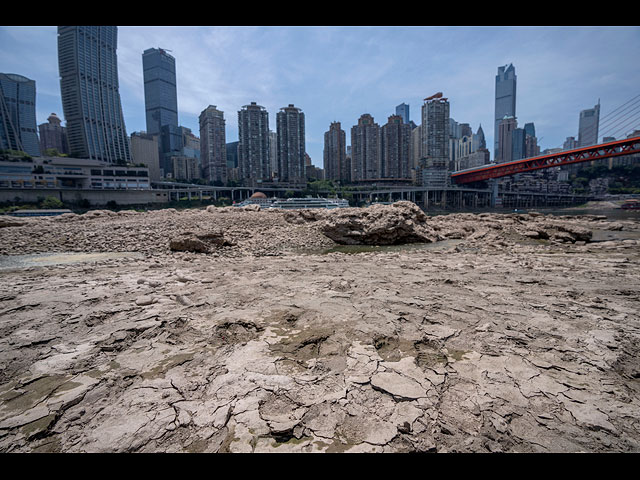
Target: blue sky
[(339, 73)]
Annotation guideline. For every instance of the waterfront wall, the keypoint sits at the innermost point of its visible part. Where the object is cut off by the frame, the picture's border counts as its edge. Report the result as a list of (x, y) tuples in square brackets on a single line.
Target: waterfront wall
[(94, 197)]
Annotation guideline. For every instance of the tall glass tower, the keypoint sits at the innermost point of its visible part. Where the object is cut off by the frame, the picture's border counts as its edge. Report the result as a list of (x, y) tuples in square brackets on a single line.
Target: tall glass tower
[(588, 126), (160, 93), (505, 100), (18, 114), (90, 97), (403, 111)]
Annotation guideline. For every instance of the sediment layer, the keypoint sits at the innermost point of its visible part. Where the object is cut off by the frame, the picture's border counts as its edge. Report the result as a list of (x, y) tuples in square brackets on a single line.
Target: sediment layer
[(521, 334)]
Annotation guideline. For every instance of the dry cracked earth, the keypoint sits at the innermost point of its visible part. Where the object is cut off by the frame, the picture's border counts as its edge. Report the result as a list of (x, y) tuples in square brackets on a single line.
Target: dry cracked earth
[(493, 339)]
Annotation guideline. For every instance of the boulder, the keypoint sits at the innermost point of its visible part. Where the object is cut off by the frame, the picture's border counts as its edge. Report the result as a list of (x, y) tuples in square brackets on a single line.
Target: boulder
[(578, 233), (398, 223), (200, 243)]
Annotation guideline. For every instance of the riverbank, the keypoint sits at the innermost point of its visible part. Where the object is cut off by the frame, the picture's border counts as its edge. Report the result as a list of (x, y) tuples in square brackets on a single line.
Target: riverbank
[(510, 332)]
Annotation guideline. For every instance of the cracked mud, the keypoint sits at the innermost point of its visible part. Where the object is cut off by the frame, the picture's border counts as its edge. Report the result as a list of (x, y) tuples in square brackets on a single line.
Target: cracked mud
[(522, 336)]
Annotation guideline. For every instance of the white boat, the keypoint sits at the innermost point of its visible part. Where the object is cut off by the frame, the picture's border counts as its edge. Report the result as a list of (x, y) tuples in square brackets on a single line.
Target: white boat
[(309, 202)]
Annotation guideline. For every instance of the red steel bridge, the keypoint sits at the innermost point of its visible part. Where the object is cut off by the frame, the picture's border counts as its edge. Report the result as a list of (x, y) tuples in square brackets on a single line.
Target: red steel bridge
[(567, 157)]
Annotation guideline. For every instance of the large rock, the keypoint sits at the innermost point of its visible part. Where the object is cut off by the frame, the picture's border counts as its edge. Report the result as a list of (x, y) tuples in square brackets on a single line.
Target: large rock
[(398, 223), (199, 243), (577, 232), (569, 232)]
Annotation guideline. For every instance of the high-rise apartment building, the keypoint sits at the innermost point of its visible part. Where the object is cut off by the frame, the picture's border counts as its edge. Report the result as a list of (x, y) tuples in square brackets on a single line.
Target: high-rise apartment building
[(273, 153), (588, 126), (505, 139), (160, 93), (505, 101), (403, 111), (213, 149), (291, 145), (435, 128), (53, 135), (365, 149), (436, 124), (395, 148), (335, 154), (18, 114), (253, 146), (532, 149), (88, 68), (416, 146)]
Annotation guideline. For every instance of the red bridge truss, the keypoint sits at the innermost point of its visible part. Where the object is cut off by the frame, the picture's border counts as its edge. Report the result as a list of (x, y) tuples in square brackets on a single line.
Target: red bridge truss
[(584, 154)]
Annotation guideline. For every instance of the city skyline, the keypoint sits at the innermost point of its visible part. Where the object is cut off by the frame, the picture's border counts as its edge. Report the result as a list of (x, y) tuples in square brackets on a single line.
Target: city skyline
[(340, 73)]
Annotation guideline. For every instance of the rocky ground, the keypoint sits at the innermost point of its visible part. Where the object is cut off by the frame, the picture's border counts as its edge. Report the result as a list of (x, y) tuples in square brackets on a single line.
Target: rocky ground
[(232, 330)]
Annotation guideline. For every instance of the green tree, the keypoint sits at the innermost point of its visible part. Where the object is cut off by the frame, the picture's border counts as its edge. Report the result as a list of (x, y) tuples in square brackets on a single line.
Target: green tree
[(51, 202)]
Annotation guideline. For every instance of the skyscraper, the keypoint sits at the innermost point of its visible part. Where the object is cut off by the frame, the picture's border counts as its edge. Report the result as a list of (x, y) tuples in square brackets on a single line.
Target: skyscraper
[(365, 149), (588, 126), (506, 81), (253, 146), (335, 154), (530, 129), (291, 144), (213, 145), (435, 127), (403, 111), (505, 139), (88, 68), (160, 93), (518, 144), (395, 148), (479, 142), (532, 149), (435, 141), (18, 114)]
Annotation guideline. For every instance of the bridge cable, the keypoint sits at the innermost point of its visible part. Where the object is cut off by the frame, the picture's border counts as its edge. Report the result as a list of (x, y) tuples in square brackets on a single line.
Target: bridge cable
[(619, 118), (615, 130), (603, 122)]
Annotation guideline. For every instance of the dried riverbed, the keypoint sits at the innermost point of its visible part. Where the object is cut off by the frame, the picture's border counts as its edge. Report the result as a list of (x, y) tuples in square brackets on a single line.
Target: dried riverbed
[(492, 339)]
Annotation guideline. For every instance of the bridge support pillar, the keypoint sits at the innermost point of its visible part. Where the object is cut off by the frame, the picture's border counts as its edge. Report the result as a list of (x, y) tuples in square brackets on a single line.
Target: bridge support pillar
[(494, 192)]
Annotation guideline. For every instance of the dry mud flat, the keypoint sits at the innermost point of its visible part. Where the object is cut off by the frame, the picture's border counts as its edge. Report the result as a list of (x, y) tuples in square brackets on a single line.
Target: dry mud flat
[(517, 333)]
